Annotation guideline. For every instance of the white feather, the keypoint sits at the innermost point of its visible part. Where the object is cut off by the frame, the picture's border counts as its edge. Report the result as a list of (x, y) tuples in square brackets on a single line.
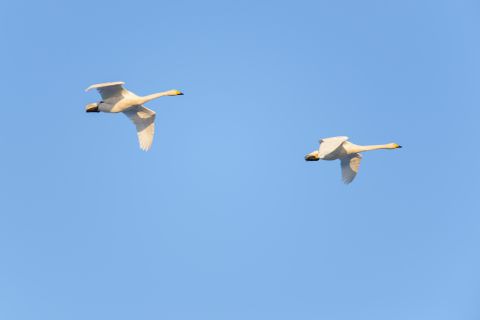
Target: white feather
[(144, 120)]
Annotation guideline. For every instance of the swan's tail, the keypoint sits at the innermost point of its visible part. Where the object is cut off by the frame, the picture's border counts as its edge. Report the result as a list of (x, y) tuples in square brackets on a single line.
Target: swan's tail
[(312, 156)]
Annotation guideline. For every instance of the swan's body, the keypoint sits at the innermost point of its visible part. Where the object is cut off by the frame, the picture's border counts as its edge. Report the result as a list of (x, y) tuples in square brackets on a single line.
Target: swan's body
[(118, 99), (347, 152)]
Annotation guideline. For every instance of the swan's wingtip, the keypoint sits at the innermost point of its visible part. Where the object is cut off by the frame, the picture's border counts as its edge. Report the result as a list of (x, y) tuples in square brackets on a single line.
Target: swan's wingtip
[(145, 147)]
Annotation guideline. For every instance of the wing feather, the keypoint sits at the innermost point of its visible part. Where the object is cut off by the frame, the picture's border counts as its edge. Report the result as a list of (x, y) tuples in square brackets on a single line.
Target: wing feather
[(109, 90), (350, 166), (329, 145), (144, 120)]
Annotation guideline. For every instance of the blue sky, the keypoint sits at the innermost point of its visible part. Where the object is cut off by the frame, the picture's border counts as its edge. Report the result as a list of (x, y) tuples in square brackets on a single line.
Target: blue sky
[(223, 219)]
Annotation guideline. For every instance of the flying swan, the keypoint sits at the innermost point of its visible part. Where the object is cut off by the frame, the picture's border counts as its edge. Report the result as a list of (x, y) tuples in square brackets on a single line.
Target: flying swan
[(115, 98), (348, 153)]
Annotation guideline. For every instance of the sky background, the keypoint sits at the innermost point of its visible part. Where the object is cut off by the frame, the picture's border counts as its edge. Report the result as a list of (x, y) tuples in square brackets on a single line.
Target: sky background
[(223, 218)]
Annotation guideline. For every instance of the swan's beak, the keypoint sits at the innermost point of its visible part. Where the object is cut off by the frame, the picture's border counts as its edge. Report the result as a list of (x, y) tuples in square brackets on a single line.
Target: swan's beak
[(179, 93), (92, 107)]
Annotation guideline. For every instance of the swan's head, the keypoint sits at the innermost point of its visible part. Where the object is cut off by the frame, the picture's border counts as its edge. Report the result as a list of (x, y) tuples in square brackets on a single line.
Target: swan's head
[(312, 156), (174, 93), (92, 107), (395, 145)]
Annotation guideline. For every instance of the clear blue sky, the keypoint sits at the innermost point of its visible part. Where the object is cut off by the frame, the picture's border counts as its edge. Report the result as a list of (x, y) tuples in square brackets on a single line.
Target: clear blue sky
[(223, 219)]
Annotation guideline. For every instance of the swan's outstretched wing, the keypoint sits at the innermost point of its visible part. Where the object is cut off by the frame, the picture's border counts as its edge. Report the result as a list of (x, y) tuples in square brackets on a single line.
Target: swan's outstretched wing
[(328, 145), (350, 165), (108, 90), (144, 120)]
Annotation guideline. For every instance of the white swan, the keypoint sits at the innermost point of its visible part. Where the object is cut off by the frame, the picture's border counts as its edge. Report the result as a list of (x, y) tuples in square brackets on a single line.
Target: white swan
[(118, 99), (348, 153)]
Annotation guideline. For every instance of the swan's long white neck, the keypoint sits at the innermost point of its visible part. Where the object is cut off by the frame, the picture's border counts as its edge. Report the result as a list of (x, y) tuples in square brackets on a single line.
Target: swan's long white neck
[(357, 148), (151, 97)]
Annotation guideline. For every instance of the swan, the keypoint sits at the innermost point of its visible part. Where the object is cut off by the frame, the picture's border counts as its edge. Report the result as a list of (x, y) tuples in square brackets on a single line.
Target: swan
[(348, 153), (115, 98)]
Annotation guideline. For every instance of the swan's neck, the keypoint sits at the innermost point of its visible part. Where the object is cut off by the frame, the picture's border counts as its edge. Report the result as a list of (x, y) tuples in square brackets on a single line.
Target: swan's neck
[(151, 97), (357, 148)]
